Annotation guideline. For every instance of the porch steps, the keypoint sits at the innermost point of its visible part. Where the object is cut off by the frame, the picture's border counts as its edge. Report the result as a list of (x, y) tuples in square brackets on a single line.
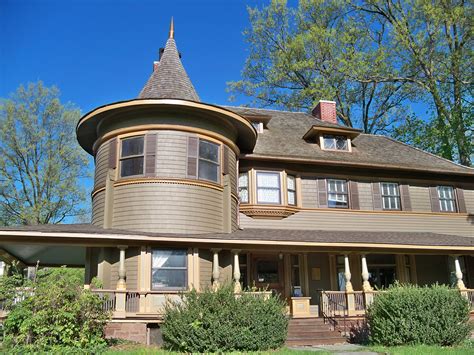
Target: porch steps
[(312, 331)]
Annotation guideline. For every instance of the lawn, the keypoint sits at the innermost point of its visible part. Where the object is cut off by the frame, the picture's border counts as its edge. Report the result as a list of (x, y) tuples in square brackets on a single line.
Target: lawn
[(467, 348)]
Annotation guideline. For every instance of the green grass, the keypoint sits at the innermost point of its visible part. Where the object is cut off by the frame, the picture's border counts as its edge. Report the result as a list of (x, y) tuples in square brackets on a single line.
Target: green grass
[(466, 348)]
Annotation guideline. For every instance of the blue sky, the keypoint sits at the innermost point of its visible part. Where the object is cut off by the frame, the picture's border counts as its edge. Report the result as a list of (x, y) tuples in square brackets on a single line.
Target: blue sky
[(102, 51)]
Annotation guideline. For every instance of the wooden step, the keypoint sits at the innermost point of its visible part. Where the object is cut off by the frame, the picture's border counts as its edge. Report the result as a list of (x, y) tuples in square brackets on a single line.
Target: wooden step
[(313, 334)]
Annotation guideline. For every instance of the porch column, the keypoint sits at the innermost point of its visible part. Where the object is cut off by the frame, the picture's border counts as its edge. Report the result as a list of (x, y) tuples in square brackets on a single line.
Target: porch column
[(349, 290), (237, 287), (215, 269), (121, 295), (365, 274), (121, 284), (347, 274), (458, 273)]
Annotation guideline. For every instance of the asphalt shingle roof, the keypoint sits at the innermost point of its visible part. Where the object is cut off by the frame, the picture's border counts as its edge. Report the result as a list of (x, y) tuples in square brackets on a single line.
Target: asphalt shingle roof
[(284, 138), (169, 80), (276, 235)]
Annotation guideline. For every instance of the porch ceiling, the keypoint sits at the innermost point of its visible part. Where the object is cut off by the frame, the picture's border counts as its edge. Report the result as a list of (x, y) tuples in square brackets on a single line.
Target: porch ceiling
[(46, 255)]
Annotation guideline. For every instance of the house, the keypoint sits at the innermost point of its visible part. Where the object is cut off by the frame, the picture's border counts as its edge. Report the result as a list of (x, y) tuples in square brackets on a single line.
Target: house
[(192, 195)]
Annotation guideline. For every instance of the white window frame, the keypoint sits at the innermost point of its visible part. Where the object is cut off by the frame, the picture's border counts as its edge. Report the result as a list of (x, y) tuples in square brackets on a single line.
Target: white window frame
[(277, 173), (142, 155), (258, 126), (345, 192), (291, 191), (391, 196), (335, 138), (447, 203), (244, 188)]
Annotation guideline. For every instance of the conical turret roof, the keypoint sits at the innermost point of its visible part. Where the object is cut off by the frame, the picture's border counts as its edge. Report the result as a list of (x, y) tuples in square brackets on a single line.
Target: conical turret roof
[(169, 80)]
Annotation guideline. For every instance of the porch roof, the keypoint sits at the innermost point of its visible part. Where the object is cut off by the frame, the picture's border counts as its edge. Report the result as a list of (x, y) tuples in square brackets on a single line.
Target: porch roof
[(89, 235)]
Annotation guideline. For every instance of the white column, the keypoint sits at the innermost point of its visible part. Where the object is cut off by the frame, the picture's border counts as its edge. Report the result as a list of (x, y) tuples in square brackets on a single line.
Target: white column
[(237, 286), (215, 269), (347, 274), (121, 285), (365, 274), (458, 273)]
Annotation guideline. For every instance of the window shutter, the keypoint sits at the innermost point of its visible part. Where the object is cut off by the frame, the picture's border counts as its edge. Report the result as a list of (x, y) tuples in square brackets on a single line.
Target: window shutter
[(113, 153), (405, 197), (150, 154), (226, 167), (434, 199), (193, 147), (377, 196), (461, 201), (322, 193), (354, 197)]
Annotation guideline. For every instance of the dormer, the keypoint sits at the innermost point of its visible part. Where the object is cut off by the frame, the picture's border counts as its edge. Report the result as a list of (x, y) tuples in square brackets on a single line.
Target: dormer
[(327, 133), (259, 122)]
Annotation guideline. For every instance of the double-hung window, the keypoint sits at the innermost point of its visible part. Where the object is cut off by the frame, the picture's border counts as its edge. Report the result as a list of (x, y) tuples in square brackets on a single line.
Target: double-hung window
[(132, 156), (244, 187), (335, 142), (390, 196), (208, 161), (447, 199), (337, 194), (268, 187), (291, 189), (169, 269)]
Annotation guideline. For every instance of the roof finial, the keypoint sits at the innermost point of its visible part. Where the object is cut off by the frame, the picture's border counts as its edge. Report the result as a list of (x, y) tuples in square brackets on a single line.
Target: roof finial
[(171, 28)]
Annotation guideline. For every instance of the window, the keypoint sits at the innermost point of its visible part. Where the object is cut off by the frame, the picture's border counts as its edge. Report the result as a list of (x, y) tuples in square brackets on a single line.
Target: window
[(169, 269), (244, 187), (268, 187), (131, 156), (335, 142), (208, 161), (337, 194), (268, 271), (390, 196), (446, 199), (291, 189)]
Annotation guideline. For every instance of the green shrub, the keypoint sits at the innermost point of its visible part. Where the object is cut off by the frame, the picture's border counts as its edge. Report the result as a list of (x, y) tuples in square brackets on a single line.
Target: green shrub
[(57, 313), (411, 315), (220, 321)]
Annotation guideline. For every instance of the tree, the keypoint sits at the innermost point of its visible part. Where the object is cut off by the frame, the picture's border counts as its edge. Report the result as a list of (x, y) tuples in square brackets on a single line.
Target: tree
[(432, 50), (321, 50), (40, 161)]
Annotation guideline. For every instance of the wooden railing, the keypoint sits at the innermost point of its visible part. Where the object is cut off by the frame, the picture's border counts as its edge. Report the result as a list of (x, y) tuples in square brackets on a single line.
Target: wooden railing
[(470, 297)]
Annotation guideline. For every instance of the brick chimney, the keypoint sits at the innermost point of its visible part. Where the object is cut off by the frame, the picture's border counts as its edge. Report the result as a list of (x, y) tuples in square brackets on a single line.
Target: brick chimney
[(325, 111)]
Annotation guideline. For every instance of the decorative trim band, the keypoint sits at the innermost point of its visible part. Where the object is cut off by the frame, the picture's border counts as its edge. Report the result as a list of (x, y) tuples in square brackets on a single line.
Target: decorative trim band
[(189, 182), (263, 211)]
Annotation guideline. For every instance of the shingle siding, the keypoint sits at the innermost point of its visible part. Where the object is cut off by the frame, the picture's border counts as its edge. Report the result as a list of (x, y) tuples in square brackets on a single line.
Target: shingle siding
[(98, 204), (171, 154), (309, 192), (365, 196), (168, 208), (359, 221), (101, 165), (420, 199)]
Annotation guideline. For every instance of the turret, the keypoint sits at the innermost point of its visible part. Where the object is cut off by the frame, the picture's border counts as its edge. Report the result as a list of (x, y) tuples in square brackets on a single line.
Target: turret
[(166, 161)]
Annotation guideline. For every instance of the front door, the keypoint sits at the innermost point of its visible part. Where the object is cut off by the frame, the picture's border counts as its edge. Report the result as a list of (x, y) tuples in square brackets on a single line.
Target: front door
[(267, 273)]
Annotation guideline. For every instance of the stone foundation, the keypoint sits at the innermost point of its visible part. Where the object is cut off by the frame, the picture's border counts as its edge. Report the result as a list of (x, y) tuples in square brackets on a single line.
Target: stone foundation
[(127, 331)]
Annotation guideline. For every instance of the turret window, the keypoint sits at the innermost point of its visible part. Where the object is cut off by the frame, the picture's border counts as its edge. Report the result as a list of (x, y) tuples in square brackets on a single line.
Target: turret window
[(208, 161), (132, 156)]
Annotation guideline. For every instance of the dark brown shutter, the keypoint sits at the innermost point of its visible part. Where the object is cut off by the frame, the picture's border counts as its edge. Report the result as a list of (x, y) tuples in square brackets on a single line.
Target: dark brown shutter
[(226, 167), (113, 153), (377, 196), (150, 154), (405, 197), (434, 199), (354, 195), (461, 202), (193, 148), (322, 193)]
